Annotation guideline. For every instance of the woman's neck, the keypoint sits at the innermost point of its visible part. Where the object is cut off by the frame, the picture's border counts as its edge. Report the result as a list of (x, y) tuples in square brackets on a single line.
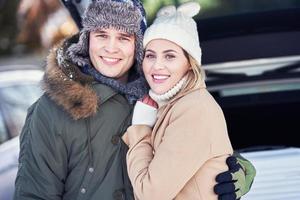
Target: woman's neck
[(162, 99)]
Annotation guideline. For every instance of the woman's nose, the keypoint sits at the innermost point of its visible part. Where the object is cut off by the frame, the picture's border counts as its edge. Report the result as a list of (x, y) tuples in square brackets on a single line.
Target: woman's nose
[(158, 64)]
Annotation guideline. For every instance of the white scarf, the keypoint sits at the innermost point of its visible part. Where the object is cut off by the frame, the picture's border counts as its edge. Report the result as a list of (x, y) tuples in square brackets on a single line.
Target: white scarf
[(162, 99)]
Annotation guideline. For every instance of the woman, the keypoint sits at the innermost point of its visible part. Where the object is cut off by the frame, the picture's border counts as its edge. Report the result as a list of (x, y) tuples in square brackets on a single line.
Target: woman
[(176, 150)]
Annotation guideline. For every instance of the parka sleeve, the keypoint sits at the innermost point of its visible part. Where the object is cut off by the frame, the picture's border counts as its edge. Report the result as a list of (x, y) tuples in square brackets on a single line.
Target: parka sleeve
[(42, 159), (183, 150)]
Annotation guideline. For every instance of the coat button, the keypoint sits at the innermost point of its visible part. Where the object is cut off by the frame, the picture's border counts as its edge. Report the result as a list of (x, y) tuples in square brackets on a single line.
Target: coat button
[(83, 190), (119, 195), (91, 169), (115, 139)]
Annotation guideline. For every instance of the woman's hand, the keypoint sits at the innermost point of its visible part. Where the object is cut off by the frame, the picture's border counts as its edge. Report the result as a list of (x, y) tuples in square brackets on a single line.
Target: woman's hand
[(144, 112), (149, 101)]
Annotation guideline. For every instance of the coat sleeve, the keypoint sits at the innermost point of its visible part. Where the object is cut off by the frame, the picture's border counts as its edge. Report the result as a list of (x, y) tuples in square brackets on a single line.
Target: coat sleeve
[(183, 150), (42, 158)]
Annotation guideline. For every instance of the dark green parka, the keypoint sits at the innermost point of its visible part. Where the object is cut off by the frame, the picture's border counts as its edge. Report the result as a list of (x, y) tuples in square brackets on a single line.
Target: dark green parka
[(70, 144)]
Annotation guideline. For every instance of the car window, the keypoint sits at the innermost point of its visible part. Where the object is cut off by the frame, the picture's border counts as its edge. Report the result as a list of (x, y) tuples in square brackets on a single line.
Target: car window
[(3, 131), (15, 100)]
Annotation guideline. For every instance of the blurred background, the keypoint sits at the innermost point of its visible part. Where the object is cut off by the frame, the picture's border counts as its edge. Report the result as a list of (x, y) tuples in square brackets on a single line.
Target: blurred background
[(30, 27), (251, 55)]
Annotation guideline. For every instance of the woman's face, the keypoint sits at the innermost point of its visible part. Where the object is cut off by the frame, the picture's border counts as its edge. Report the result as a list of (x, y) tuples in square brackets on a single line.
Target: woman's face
[(164, 65)]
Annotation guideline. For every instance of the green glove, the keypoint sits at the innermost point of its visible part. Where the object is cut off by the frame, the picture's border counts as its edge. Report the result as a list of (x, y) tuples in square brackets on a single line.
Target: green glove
[(237, 181), (244, 176)]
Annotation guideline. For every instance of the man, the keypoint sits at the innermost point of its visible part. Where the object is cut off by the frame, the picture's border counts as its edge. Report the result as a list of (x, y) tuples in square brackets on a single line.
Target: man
[(70, 143)]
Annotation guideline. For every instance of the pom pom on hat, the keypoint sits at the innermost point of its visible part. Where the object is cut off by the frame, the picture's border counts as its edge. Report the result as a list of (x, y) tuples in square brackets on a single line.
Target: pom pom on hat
[(190, 9), (178, 26), (166, 11)]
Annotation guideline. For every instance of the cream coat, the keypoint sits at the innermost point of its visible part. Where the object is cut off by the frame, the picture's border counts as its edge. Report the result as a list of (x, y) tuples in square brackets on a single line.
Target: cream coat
[(182, 155)]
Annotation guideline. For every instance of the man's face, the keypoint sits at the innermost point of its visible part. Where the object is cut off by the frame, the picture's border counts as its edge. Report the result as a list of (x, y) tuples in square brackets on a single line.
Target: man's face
[(112, 52)]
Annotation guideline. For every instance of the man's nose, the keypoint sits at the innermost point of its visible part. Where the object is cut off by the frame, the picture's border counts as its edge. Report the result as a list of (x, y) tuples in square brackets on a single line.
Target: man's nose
[(111, 45)]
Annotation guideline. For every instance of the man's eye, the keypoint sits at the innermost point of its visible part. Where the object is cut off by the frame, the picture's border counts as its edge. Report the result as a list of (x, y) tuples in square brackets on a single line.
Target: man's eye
[(101, 36), (124, 39)]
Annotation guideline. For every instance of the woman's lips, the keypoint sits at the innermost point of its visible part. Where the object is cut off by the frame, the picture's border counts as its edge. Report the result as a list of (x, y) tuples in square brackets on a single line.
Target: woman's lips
[(159, 78)]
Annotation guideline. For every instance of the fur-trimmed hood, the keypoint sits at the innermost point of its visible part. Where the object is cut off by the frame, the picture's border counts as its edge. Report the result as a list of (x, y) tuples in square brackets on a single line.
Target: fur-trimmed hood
[(69, 87)]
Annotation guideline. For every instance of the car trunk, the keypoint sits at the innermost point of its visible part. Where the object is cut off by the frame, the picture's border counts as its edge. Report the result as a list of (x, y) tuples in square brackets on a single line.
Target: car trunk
[(262, 121), (258, 119)]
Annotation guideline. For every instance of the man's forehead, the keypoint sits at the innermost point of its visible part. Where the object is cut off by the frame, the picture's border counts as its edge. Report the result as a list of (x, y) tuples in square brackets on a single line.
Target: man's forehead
[(112, 30)]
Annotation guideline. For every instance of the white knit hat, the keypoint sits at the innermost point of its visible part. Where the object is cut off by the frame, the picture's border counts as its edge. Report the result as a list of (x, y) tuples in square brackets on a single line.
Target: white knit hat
[(178, 26)]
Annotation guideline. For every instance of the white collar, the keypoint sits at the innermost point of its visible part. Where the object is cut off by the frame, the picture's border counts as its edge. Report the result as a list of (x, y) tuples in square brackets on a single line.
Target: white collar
[(162, 99)]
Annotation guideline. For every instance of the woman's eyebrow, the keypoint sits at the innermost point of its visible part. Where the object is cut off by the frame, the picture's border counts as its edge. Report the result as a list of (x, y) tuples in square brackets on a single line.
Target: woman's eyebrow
[(165, 51), (150, 50), (170, 51)]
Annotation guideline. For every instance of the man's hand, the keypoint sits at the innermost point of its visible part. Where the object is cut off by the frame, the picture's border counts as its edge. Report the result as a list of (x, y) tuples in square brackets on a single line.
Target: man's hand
[(237, 181)]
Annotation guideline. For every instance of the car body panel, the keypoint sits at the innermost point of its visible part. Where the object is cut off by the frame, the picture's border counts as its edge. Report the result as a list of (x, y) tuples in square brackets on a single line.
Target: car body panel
[(19, 88), (9, 152), (275, 182)]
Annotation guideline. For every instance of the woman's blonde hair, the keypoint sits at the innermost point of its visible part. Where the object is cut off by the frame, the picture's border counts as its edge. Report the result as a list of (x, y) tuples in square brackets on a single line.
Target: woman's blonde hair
[(196, 76)]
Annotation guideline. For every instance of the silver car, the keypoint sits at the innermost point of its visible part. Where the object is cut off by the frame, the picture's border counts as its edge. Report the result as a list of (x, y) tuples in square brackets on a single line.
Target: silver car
[(19, 88)]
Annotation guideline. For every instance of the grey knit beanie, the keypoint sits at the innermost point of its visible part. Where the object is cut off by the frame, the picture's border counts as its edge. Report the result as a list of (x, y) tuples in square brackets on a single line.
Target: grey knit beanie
[(124, 15)]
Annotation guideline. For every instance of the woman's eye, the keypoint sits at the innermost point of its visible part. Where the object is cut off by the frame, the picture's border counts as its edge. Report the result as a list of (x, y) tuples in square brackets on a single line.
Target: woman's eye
[(169, 56), (149, 56)]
